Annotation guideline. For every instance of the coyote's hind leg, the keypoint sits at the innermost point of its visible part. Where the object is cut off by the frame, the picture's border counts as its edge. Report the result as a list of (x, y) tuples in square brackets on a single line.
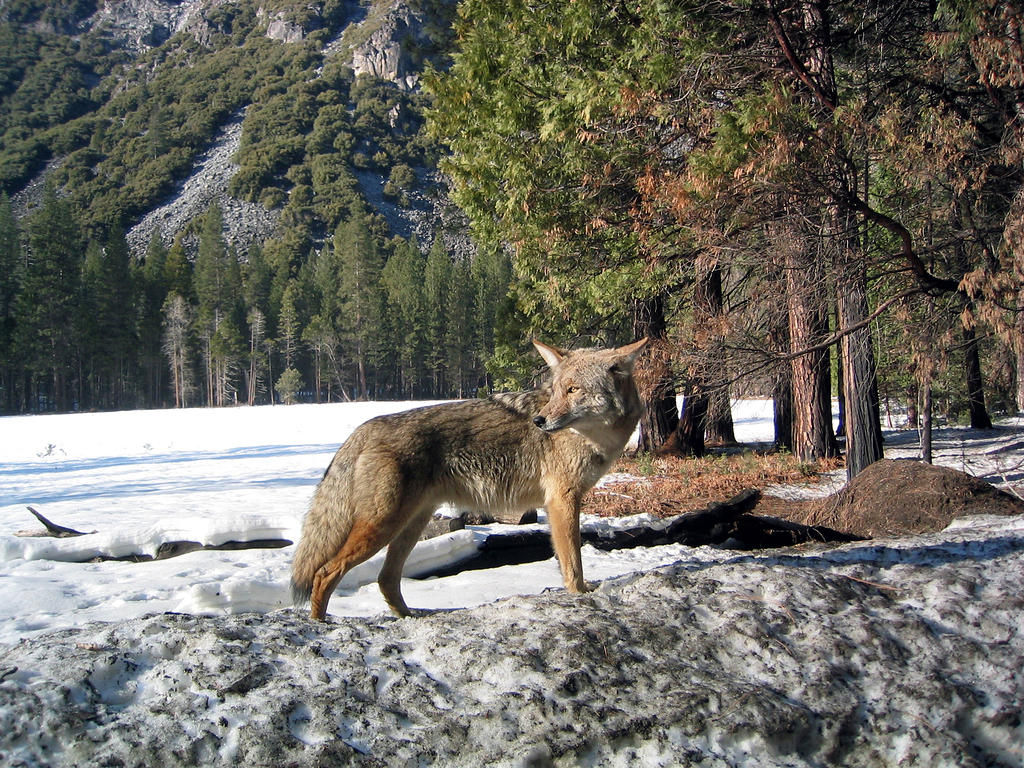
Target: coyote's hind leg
[(363, 542), (390, 578)]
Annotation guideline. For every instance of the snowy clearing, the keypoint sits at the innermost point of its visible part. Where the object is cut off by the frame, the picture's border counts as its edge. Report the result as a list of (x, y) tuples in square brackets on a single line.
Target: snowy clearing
[(143, 478), (872, 653)]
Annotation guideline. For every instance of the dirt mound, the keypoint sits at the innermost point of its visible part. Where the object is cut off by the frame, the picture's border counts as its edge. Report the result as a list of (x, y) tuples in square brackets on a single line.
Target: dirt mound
[(891, 498)]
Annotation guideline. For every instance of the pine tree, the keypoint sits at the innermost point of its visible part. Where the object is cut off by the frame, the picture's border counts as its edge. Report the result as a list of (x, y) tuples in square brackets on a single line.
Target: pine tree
[(289, 329), (152, 292), (256, 278), (492, 277), (288, 386), (402, 278), (177, 314), (459, 328), (322, 333), (10, 275), (257, 364), (360, 295), (436, 290), (218, 286), (87, 324), (178, 271), (117, 321), (46, 305)]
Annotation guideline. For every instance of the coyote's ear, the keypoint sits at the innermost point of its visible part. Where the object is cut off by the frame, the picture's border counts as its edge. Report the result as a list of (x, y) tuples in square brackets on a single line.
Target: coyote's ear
[(629, 353), (552, 355)]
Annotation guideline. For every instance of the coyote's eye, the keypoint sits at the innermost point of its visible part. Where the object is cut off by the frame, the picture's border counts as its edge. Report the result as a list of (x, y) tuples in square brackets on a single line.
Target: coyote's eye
[(570, 390)]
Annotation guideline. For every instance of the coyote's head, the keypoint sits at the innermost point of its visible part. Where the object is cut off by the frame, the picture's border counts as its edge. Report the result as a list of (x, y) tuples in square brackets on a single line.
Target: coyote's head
[(591, 389)]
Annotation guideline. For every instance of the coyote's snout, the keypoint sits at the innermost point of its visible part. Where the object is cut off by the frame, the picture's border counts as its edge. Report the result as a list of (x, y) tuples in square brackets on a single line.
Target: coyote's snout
[(510, 452)]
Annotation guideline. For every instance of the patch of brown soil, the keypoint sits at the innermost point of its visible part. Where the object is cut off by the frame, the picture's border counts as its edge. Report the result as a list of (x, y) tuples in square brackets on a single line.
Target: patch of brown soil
[(904, 497)]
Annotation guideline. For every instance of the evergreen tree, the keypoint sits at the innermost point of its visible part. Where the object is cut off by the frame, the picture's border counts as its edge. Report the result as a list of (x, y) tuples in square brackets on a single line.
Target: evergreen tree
[(226, 348), (106, 324), (115, 307), (492, 278), (289, 329), (218, 286), (152, 292), (402, 278), (288, 386), (10, 275), (437, 278), (257, 359), (459, 329), (177, 314), (360, 296), (256, 280), (178, 270), (322, 333), (87, 324), (46, 305)]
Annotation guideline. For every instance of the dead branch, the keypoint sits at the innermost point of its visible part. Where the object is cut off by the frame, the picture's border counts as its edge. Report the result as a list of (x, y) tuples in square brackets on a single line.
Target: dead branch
[(58, 531)]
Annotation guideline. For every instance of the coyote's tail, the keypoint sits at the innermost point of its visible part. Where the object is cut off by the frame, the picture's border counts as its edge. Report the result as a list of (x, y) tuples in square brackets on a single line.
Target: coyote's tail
[(324, 530)]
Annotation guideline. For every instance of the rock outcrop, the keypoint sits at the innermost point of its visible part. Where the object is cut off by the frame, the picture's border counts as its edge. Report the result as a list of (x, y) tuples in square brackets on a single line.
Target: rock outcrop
[(392, 40), (245, 223), (385, 52), (143, 24)]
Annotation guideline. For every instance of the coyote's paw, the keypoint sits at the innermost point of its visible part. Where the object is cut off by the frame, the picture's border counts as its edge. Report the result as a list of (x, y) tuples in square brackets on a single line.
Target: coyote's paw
[(422, 613), (581, 588)]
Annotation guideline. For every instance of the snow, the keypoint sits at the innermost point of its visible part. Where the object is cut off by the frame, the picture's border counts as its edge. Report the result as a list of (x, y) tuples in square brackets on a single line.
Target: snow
[(140, 479), (143, 478)]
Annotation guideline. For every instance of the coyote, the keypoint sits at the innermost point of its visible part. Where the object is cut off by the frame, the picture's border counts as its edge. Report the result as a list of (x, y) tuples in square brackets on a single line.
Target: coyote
[(510, 452)]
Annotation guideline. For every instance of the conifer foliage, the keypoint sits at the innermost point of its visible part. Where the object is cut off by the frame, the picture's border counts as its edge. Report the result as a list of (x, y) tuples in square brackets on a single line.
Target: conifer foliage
[(85, 326), (779, 191), (332, 306)]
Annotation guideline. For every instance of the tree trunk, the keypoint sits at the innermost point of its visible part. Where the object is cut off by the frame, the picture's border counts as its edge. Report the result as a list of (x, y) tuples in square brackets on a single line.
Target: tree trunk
[(860, 387), (720, 429), (811, 381), (783, 411), (926, 420), (782, 386), (840, 429), (1019, 355), (657, 389), (975, 389), (709, 307), (692, 424), (913, 414)]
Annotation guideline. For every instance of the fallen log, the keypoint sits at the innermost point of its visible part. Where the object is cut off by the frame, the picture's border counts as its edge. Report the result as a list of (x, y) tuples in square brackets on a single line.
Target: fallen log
[(166, 550), (723, 523), (711, 525)]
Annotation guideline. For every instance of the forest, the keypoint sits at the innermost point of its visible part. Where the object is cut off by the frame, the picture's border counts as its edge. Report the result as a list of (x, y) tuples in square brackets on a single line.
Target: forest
[(805, 198), (334, 306), (106, 331), (802, 200)]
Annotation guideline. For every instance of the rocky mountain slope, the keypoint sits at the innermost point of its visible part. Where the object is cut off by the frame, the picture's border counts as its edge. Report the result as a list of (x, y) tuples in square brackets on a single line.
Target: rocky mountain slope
[(389, 41)]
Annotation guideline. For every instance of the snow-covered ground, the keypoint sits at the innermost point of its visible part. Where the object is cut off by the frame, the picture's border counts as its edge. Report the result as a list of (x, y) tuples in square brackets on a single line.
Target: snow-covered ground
[(902, 651), (143, 478)]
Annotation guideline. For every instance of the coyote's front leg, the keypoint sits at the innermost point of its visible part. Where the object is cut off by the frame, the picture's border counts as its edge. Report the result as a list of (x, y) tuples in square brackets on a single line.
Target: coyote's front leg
[(563, 508)]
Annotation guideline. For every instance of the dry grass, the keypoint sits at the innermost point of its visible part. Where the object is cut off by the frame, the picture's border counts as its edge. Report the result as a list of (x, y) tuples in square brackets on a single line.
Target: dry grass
[(665, 486)]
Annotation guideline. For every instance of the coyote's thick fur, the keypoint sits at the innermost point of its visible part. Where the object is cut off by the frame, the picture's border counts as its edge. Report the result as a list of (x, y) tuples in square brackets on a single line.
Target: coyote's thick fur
[(509, 452)]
